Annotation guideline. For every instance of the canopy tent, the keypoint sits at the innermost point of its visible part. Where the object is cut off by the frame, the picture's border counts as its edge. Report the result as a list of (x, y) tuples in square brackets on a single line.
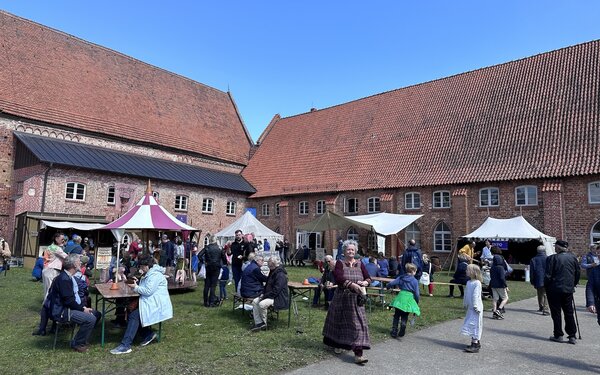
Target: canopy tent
[(383, 224), (70, 225), (247, 223), (514, 228)]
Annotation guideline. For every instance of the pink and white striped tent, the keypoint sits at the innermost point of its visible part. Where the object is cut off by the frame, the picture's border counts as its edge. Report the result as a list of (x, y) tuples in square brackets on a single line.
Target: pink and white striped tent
[(148, 214)]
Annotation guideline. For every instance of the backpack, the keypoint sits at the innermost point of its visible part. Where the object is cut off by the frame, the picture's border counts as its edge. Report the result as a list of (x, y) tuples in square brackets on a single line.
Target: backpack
[(414, 258)]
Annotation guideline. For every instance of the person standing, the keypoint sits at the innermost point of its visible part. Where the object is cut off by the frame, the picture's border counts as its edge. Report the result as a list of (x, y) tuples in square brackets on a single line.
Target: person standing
[(561, 277), (237, 258), (53, 261), (286, 251), (266, 245), (537, 269), (498, 283), (346, 325), (413, 255), (214, 258), (473, 324), (592, 289)]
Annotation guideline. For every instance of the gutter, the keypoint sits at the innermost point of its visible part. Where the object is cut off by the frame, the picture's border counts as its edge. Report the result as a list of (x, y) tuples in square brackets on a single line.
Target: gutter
[(43, 208)]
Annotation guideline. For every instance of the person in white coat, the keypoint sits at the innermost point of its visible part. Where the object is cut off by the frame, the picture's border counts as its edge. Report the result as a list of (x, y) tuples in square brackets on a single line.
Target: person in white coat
[(473, 324), (154, 305)]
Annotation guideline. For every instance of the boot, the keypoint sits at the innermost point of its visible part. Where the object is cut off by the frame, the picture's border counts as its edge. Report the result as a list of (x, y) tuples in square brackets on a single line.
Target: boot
[(474, 348), (402, 329), (394, 332)]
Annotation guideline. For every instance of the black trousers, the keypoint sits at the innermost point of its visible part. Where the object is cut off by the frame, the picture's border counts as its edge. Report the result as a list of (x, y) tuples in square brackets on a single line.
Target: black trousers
[(210, 283), (562, 302)]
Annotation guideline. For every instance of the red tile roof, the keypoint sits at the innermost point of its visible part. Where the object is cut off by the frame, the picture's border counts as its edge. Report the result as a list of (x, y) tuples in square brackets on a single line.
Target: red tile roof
[(54, 77), (532, 118)]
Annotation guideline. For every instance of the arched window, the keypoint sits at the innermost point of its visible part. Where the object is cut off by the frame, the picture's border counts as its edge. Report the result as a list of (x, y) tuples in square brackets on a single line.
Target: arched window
[(442, 238), (413, 232), (206, 238), (595, 234), (352, 234), (372, 241)]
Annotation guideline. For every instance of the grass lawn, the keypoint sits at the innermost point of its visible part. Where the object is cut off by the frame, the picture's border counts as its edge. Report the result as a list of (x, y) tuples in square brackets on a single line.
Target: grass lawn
[(197, 340)]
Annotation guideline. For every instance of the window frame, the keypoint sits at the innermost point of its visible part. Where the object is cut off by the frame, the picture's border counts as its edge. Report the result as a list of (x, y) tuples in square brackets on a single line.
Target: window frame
[(208, 205), (230, 208), (489, 191), (320, 208), (410, 233), (441, 199), (526, 195), (114, 196), (352, 234), (413, 195), (265, 209), (277, 210), (75, 193), (181, 206), (444, 234), (596, 195), (347, 206), (373, 205), (303, 208)]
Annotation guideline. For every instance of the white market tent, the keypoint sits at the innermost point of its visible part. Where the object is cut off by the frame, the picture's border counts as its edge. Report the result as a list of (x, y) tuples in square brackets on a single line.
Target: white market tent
[(386, 224), (247, 223), (514, 228)]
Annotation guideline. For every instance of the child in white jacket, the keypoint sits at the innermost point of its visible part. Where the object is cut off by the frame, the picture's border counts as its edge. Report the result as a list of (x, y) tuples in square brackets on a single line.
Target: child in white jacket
[(473, 324)]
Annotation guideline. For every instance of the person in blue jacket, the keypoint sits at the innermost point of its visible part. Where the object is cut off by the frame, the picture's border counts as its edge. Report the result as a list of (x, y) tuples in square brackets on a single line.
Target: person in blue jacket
[(407, 301), (253, 280), (36, 273)]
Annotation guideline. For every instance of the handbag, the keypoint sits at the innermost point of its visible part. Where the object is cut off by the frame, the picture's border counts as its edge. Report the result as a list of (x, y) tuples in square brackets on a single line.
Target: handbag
[(425, 280), (509, 269), (202, 273)]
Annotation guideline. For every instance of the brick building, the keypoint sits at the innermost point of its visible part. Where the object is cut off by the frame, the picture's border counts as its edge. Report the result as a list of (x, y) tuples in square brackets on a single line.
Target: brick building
[(83, 128), (519, 138)]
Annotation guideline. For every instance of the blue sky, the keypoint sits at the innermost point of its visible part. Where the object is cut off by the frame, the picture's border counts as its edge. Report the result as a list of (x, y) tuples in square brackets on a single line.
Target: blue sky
[(288, 56)]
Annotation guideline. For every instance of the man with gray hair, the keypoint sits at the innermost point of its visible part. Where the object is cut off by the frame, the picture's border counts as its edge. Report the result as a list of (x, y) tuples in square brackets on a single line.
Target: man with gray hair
[(537, 270), (561, 278), (74, 246), (275, 294)]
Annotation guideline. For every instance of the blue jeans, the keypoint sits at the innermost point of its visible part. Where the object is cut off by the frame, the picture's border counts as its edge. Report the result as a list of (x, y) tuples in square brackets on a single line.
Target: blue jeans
[(133, 325), (86, 323), (222, 289)]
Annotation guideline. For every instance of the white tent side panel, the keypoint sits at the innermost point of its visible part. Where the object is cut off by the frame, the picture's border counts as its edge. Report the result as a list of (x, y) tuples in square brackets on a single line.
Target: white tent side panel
[(247, 223)]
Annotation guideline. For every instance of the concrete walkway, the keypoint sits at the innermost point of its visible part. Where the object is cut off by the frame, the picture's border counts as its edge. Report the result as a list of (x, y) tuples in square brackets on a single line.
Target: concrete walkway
[(518, 344)]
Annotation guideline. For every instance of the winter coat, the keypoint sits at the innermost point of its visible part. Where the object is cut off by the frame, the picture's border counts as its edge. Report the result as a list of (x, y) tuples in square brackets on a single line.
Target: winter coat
[(498, 272), (562, 273), (537, 269), (277, 288), (252, 281), (406, 282), (155, 303)]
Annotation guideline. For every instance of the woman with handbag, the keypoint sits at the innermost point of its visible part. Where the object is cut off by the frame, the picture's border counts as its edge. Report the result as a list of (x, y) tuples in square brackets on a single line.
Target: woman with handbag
[(346, 326)]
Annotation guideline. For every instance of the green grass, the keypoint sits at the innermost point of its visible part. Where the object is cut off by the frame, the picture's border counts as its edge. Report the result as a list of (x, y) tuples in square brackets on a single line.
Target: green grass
[(197, 340)]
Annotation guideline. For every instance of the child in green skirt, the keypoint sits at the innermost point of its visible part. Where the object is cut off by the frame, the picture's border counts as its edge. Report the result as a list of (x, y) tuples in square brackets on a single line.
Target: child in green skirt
[(407, 301)]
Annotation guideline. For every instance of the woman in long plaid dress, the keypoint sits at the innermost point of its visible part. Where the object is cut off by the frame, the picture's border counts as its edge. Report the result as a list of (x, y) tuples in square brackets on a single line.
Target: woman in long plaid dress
[(346, 324)]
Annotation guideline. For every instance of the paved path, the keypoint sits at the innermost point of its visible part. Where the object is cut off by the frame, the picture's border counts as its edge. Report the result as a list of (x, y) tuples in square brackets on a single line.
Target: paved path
[(516, 345)]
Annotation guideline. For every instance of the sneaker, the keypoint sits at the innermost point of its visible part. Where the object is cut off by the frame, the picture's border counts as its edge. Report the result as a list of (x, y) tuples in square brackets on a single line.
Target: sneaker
[(360, 360), (497, 315), (258, 327), (556, 338), (572, 340), (430, 295), (473, 348), (121, 349), (149, 339)]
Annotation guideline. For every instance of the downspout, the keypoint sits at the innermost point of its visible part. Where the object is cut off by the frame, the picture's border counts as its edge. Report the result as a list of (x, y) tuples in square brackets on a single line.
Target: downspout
[(43, 208)]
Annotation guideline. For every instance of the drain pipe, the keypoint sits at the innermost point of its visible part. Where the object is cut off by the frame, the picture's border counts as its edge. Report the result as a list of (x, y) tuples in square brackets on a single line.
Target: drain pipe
[(44, 189)]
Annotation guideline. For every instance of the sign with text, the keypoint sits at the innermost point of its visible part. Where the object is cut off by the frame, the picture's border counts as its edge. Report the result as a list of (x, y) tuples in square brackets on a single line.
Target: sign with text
[(103, 257), (503, 245)]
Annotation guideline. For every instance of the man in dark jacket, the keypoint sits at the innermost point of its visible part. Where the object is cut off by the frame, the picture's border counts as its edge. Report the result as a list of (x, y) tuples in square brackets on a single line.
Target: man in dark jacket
[(275, 294), (537, 270), (413, 255), (237, 258), (460, 276), (562, 275), (214, 258), (592, 289), (253, 279), (63, 293)]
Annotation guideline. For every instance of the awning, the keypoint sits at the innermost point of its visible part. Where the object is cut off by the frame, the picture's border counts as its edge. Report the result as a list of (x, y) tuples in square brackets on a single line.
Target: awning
[(381, 223), (70, 225)]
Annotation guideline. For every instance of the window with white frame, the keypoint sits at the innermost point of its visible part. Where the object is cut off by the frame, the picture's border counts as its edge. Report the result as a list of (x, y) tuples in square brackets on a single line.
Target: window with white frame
[(442, 238), (373, 204), (75, 191), (412, 201), (207, 205), (111, 196), (594, 192), (489, 197), (265, 209), (413, 232), (303, 208), (277, 210), (441, 199), (352, 234), (320, 207), (526, 195), (351, 205), (181, 202), (230, 208), (595, 233)]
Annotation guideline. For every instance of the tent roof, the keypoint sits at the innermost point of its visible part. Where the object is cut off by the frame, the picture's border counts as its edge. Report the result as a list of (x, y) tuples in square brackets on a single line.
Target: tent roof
[(247, 223), (148, 214), (382, 223), (71, 225), (516, 227)]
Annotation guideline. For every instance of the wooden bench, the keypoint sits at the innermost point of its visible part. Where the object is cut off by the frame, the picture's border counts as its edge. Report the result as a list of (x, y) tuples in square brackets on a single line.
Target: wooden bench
[(243, 300)]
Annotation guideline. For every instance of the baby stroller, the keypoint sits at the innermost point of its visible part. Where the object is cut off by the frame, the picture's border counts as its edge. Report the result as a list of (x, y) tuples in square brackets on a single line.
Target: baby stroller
[(486, 291)]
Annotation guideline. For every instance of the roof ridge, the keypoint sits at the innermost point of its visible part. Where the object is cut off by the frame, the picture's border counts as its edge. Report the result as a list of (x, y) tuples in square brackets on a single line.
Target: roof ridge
[(92, 44), (446, 77)]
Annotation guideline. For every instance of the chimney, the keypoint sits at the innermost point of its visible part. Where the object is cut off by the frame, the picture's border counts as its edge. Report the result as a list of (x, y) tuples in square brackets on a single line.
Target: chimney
[(313, 109)]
